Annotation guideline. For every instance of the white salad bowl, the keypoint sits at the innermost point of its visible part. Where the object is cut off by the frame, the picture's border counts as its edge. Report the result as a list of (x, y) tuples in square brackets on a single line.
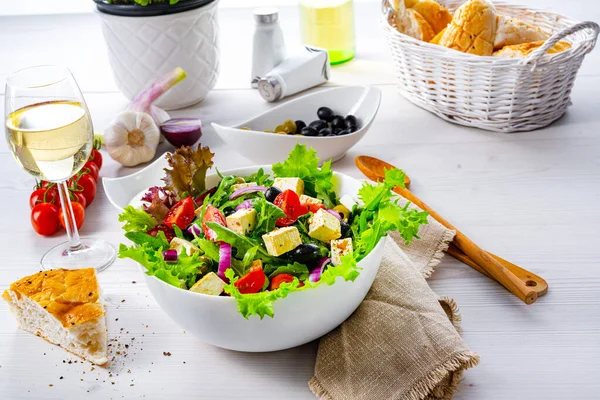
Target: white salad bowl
[(267, 148), (298, 319)]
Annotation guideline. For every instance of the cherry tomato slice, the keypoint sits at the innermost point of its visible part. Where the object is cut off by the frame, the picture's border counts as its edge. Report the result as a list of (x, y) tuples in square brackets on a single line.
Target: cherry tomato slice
[(79, 213), (279, 279), (181, 214), (44, 218), (289, 202), (89, 168), (169, 232), (96, 158), (212, 214), (253, 281), (313, 208)]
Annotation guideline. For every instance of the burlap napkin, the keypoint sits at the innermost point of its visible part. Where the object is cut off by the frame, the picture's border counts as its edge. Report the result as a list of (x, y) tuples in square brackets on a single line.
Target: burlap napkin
[(403, 341)]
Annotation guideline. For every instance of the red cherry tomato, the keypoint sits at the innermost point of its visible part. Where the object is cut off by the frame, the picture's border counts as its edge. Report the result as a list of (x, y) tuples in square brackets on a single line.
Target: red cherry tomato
[(253, 281), (279, 279), (44, 195), (96, 158), (212, 214), (169, 232), (90, 168), (79, 212), (79, 198), (87, 185), (181, 214), (289, 202), (44, 219), (313, 208)]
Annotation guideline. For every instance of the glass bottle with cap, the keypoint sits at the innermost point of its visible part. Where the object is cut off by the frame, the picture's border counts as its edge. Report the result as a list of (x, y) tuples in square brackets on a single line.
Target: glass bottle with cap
[(268, 48), (329, 24)]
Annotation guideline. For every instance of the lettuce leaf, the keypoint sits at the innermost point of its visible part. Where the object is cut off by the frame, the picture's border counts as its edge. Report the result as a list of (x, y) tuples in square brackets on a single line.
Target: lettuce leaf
[(303, 163), (241, 243), (267, 215), (187, 175), (261, 303), (296, 269), (136, 220), (260, 177)]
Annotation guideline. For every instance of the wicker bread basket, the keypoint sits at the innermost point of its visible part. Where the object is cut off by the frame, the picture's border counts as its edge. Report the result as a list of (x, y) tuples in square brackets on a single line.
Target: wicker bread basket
[(492, 93)]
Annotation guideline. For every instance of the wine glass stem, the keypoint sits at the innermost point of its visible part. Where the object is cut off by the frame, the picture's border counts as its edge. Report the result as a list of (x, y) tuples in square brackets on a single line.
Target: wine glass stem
[(70, 225)]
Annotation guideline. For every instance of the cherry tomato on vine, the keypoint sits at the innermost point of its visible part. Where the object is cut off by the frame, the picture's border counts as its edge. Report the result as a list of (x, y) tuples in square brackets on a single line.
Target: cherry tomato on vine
[(79, 213), (44, 218), (44, 195), (87, 184), (79, 198), (91, 169), (96, 158)]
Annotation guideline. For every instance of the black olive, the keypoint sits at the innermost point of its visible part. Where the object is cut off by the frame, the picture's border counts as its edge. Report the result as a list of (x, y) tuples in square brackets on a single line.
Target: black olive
[(336, 131), (331, 134), (325, 132), (346, 231), (338, 122), (325, 113), (228, 211), (309, 131), (353, 129), (351, 121), (271, 193), (343, 132), (318, 124), (300, 125), (305, 253)]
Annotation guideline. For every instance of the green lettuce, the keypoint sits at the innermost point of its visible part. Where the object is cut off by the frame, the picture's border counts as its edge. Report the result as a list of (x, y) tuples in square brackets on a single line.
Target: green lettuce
[(303, 163), (136, 220), (267, 215)]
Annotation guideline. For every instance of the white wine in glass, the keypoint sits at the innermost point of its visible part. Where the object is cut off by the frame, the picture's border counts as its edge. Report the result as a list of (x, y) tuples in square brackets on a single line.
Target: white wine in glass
[(50, 133)]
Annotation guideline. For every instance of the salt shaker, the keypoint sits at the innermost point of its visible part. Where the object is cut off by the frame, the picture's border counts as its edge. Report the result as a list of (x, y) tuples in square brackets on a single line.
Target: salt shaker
[(268, 48), (306, 68)]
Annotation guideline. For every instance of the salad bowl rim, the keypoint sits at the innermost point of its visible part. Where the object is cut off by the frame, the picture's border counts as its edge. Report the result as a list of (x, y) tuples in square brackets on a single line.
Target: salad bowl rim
[(365, 124)]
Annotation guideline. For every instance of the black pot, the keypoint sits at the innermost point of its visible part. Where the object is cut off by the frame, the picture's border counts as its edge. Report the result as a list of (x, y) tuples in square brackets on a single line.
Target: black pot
[(151, 10)]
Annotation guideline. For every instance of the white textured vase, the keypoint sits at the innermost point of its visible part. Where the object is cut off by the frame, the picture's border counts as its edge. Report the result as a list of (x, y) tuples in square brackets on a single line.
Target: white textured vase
[(141, 49)]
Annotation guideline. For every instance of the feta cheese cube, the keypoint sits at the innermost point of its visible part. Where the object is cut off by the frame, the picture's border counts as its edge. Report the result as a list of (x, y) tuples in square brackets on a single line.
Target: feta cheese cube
[(242, 221), (304, 199), (324, 226), (282, 240), (340, 248), (241, 185), (210, 284), (179, 244), (294, 184)]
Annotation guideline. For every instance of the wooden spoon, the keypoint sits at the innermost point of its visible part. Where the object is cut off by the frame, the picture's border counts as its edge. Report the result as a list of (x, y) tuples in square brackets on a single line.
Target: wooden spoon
[(520, 282)]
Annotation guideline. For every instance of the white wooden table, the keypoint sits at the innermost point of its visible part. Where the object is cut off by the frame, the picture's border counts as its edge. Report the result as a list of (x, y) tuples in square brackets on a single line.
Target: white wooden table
[(532, 198)]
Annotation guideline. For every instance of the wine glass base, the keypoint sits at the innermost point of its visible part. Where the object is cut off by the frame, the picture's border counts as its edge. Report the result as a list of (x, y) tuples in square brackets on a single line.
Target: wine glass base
[(94, 253)]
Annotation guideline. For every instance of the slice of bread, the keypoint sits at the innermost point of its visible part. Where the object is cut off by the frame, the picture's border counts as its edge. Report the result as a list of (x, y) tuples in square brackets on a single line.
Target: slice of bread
[(525, 49), (63, 307), (513, 31), (420, 19)]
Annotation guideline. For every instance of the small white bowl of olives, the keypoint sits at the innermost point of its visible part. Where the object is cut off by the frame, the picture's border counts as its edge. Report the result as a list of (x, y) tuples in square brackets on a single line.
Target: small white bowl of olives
[(331, 121)]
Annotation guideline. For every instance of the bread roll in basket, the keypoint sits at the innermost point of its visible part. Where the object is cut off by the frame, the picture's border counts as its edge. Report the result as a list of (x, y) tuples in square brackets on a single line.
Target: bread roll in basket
[(495, 91)]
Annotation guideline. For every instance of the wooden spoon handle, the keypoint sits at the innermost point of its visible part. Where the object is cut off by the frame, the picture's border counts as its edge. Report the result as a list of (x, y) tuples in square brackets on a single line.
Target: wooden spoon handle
[(530, 279), (492, 267)]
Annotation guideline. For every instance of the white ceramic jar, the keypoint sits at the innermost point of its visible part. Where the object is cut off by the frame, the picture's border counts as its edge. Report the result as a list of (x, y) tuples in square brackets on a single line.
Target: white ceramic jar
[(142, 48)]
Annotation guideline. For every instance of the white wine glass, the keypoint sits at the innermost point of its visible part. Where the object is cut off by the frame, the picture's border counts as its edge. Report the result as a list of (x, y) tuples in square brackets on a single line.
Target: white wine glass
[(50, 134)]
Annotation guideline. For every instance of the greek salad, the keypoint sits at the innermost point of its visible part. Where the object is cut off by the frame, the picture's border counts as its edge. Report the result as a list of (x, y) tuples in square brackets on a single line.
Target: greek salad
[(258, 238)]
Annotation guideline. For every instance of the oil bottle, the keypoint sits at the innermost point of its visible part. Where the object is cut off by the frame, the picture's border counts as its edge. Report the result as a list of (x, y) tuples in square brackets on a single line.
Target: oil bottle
[(329, 24)]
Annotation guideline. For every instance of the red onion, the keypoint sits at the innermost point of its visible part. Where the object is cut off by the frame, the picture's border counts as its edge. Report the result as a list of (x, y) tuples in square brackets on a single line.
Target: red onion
[(182, 131), (247, 189), (315, 274), (244, 204), (334, 213), (194, 230), (170, 255), (224, 260)]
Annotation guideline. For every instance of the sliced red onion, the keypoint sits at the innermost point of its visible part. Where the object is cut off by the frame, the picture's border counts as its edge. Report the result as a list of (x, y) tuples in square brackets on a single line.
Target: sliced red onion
[(244, 204), (170, 255), (194, 230), (224, 260), (315, 274), (247, 189), (182, 131), (334, 213)]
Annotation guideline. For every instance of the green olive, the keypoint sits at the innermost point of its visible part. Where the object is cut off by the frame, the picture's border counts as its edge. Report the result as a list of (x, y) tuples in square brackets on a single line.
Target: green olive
[(290, 126), (343, 211)]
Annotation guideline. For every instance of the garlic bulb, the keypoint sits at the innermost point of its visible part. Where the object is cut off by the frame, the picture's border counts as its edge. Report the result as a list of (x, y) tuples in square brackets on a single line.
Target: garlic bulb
[(132, 138)]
